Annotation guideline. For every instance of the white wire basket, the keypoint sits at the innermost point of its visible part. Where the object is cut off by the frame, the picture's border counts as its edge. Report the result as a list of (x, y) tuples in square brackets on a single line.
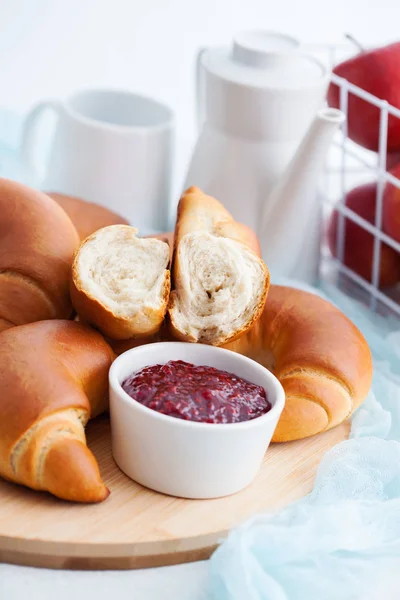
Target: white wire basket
[(349, 165)]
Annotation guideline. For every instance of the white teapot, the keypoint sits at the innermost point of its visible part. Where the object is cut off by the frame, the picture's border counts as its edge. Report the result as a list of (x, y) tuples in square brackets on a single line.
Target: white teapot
[(263, 141)]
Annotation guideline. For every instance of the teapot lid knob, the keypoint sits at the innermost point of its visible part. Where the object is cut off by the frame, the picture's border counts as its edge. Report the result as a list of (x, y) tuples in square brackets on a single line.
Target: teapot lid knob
[(263, 48)]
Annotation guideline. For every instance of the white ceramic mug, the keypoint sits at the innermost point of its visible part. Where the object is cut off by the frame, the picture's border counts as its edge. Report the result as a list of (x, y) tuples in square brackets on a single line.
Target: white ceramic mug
[(110, 147)]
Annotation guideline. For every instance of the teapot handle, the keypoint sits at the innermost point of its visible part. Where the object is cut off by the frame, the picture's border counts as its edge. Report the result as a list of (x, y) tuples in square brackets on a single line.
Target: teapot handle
[(199, 89)]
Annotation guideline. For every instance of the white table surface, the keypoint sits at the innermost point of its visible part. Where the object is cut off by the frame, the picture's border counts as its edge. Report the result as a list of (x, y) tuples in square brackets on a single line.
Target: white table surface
[(181, 582)]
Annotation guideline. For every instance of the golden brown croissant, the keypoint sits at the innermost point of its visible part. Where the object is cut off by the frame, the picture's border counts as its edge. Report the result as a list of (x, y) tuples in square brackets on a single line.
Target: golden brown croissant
[(53, 378), (87, 217), (321, 359), (37, 243)]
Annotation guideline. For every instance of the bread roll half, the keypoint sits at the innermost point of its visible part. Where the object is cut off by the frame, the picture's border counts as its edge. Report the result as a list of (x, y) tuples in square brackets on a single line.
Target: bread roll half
[(220, 281), (121, 283)]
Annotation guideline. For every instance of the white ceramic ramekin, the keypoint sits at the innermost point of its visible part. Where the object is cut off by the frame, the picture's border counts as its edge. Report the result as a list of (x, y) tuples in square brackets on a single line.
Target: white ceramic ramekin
[(186, 458)]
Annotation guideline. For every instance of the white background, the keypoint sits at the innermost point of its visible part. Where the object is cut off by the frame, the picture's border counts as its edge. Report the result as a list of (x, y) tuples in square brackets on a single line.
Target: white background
[(50, 48)]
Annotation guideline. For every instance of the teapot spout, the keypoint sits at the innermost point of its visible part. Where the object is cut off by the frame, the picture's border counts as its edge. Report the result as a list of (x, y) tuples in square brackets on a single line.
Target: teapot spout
[(290, 222)]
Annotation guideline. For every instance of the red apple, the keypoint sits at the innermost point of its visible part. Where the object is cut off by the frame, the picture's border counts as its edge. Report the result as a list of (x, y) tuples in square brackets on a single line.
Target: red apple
[(359, 243), (377, 72), (392, 160), (391, 207)]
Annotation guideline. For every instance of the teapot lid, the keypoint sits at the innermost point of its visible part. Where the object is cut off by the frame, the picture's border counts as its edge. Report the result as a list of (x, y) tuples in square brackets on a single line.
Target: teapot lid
[(264, 59)]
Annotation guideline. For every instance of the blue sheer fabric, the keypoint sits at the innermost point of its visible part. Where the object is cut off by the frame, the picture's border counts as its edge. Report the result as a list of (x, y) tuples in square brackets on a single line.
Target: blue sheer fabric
[(342, 541)]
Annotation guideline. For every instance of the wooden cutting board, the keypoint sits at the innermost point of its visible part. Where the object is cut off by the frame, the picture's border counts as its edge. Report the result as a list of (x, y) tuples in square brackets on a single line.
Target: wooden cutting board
[(136, 527)]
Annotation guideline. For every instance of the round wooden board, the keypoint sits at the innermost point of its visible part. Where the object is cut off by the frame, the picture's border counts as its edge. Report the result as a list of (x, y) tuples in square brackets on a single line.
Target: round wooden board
[(136, 527)]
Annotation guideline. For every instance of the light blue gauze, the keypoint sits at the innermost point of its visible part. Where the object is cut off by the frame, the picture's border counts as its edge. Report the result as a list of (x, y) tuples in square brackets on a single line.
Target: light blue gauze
[(342, 541)]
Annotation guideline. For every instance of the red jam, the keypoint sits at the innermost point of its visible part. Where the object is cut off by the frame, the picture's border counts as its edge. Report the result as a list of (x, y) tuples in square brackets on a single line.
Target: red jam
[(197, 393)]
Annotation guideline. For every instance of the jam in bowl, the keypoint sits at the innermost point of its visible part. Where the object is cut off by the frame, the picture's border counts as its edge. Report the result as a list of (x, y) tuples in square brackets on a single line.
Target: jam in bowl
[(191, 420), (197, 393)]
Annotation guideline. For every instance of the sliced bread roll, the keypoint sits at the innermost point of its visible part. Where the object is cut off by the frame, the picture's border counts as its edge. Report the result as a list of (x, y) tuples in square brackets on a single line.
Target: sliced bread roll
[(121, 283), (220, 282)]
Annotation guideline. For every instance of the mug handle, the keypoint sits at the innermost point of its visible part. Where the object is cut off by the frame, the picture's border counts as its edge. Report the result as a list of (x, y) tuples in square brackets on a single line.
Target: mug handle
[(29, 138), (199, 89)]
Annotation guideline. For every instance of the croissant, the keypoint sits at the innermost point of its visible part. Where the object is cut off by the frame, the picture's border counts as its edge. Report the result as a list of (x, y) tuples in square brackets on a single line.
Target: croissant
[(321, 359), (37, 244), (53, 378), (87, 217)]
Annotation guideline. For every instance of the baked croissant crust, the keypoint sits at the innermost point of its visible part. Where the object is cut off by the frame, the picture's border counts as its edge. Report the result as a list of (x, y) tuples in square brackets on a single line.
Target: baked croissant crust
[(53, 378)]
